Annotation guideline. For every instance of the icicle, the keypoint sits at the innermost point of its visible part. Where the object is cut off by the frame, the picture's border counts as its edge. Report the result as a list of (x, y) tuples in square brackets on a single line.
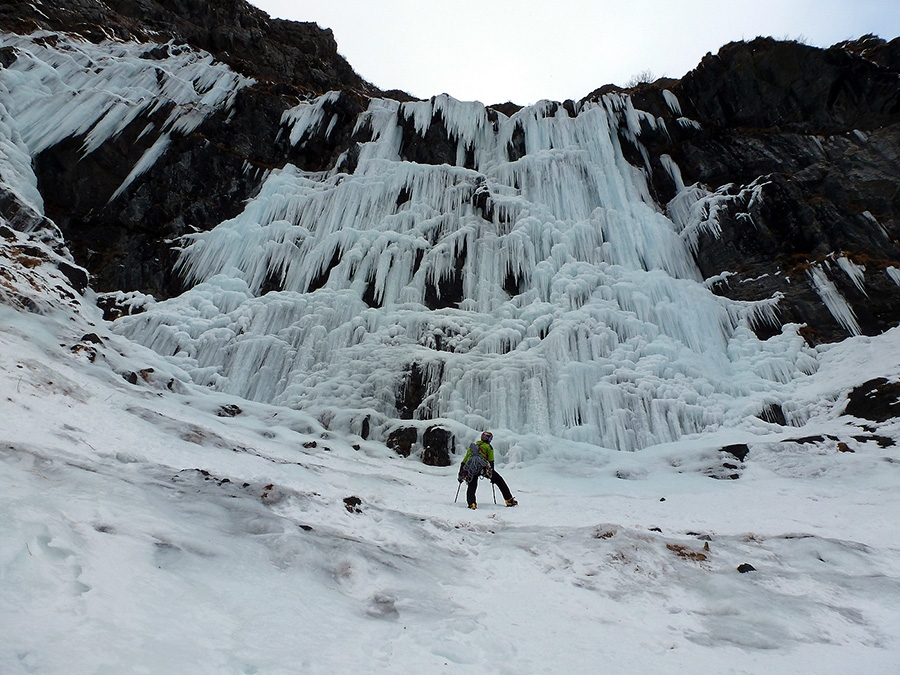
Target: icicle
[(305, 118), (689, 123), (672, 101), (855, 272), (834, 301), (146, 162), (673, 170), (893, 273)]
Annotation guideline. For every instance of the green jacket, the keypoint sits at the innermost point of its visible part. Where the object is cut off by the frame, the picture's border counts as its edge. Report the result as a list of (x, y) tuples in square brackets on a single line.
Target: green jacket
[(484, 449)]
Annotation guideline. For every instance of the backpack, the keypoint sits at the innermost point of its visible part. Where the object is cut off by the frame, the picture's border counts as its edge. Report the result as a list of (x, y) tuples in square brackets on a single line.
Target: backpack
[(476, 466)]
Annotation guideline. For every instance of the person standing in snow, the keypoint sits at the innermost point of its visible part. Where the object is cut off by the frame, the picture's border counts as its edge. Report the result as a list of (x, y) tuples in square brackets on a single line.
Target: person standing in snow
[(479, 461)]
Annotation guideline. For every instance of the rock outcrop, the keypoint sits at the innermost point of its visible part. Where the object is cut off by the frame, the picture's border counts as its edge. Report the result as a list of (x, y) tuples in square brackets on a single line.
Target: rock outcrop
[(798, 149), (299, 54), (206, 175)]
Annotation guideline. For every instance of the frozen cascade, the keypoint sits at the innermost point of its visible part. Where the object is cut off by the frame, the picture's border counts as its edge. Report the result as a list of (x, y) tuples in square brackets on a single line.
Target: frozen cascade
[(545, 294)]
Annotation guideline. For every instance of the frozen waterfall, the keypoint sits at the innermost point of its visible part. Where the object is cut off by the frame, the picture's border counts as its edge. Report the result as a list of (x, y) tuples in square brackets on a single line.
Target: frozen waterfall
[(533, 292)]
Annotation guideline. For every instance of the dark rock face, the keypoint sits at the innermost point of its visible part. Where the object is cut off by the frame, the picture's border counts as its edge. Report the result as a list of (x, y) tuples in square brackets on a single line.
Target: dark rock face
[(803, 145), (199, 182), (774, 413), (877, 400), (739, 451), (417, 384), (437, 146), (319, 151), (437, 445), (402, 439), (411, 392)]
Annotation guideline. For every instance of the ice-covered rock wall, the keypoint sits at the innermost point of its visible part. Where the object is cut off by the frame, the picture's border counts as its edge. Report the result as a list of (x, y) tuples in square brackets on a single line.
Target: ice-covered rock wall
[(59, 87), (530, 286)]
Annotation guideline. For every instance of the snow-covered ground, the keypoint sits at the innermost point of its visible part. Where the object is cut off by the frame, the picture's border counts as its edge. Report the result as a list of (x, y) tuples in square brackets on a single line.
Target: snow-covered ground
[(143, 531)]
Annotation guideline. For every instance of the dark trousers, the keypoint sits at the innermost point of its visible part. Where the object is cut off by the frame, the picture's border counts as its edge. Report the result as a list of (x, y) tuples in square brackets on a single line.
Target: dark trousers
[(496, 479)]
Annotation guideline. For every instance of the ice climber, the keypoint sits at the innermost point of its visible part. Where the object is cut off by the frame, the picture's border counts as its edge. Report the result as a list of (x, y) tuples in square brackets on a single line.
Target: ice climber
[(479, 461)]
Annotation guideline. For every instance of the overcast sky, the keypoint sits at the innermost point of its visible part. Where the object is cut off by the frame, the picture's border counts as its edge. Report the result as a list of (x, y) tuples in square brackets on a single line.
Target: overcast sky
[(527, 50)]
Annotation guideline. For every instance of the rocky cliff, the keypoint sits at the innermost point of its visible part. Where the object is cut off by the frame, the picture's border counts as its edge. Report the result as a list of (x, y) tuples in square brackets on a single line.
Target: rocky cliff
[(126, 242), (800, 147), (299, 55)]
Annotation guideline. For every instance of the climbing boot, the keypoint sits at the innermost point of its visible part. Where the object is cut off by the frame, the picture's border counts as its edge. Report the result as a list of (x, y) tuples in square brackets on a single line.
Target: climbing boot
[(473, 505), (512, 502)]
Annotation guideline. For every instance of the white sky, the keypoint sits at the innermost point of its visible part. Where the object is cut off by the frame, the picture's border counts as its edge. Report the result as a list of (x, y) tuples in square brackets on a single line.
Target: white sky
[(526, 50)]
